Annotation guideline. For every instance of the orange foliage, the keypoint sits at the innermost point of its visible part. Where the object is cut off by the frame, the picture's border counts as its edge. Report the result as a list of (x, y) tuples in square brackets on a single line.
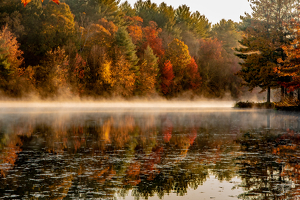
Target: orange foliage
[(135, 33), (290, 67), (25, 2), (135, 28), (151, 38), (9, 155), (136, 20), (11, 49)]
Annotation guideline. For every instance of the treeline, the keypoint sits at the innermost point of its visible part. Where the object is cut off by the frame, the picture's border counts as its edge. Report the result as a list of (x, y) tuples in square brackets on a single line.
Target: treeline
[(101, 48)]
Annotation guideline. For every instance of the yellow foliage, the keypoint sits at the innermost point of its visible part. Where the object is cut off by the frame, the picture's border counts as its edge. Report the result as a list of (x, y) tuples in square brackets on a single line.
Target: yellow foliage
[(178, 54), (10, 47), (106, 73), (147, 79), (124, 78)]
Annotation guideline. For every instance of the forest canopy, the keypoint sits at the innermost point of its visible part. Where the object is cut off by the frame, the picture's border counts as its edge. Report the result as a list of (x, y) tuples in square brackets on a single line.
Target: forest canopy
[(104, 48)]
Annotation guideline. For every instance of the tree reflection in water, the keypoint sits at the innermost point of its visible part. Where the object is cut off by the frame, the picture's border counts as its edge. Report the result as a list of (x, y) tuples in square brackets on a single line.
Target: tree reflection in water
[(52, 156)]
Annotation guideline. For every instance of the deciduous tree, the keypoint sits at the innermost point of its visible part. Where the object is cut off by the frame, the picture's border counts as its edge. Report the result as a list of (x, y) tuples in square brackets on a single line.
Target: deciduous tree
[(178, 54), (151, 39), (10, 61), (289, 68), (124, 77), (52, 75), (148, 73)]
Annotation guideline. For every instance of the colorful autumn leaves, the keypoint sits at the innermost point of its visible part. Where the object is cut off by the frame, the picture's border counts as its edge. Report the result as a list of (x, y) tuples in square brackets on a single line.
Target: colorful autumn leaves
[(151, 50), (134, 60), (180, 71), (25, 2)]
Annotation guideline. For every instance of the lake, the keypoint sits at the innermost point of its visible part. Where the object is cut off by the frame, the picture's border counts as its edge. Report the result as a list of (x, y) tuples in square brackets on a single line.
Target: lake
[(188, 150)]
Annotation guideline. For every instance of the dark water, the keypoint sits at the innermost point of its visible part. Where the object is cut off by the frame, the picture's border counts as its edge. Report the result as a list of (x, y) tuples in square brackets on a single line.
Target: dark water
[(138, 154)]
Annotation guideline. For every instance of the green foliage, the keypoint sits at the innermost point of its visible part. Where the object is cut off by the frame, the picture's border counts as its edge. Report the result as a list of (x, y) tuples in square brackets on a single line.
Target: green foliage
[(264, 36), (260, 53), (124, 42), (195, 22), (58, 26), (89, 11), (109, 9), (227, 33), (127, 9)]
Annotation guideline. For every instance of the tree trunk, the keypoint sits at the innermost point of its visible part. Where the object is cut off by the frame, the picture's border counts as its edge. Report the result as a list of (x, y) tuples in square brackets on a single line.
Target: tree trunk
[(269, 95), (298, 96)]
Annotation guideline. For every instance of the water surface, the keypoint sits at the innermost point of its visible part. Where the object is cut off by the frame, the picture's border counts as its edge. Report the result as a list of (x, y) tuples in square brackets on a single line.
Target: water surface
[(147, 152)]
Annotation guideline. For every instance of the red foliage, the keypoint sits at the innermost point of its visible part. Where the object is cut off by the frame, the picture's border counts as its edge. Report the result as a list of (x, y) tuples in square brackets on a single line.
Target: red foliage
[(167, 76), (151, 38), (56, 1), (25, 2), (195, 79), (291, 86)]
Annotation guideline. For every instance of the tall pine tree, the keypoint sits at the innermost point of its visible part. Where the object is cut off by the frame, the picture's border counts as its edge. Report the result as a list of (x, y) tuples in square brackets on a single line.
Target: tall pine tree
[(264, 35)]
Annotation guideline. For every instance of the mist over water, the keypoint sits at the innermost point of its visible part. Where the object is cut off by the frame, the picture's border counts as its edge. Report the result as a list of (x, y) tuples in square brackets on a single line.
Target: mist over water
[(118, 106), (128, 104), (116, 150)]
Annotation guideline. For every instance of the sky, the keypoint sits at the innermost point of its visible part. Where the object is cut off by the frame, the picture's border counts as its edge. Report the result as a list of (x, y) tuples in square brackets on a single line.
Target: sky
[(214, 10)]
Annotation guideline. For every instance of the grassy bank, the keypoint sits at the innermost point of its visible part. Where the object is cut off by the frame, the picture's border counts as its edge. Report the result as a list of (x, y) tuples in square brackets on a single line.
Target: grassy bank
[(283, 105), (248, 104)]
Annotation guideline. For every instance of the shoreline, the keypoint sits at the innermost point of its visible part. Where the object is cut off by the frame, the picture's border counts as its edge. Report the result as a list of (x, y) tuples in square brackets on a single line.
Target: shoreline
[(265, 105)]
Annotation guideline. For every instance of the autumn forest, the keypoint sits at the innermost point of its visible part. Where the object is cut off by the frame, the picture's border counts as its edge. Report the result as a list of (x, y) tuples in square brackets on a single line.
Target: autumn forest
[(104, 48)]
